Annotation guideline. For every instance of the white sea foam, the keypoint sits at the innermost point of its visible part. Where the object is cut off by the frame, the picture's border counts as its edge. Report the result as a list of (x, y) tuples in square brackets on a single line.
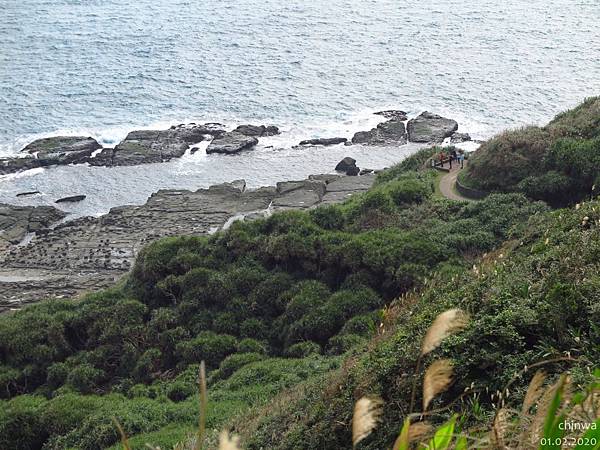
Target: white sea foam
[(24, 174)]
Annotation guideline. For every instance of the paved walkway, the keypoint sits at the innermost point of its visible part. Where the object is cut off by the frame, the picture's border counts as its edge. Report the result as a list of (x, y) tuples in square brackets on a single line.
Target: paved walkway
[(447, 183)]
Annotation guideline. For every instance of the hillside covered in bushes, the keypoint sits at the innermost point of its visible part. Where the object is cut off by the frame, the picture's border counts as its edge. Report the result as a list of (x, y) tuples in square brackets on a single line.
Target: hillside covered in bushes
[(558, 163), (298, 315)]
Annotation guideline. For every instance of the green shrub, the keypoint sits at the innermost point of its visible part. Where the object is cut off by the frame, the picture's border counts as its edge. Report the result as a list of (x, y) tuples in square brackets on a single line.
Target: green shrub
[(249, 345), (85, 378), (21, 423), (503, 161), (226, 323), (342, 343), (179, 390), (233, 363), (328, 217), (407, 191), (10, 379), (148, 365), (363, 325), (303, 349), (253, 328), (265, 299), (557, 163), (376, 200), (551, 187), (207, 346), (415, 162)]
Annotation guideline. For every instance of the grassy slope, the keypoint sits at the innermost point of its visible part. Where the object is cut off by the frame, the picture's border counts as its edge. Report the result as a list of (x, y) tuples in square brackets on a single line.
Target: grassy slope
[(534, 299)]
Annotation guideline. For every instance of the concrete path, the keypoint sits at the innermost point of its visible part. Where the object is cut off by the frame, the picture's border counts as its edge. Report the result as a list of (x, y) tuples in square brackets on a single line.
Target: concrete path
[(447, 183)]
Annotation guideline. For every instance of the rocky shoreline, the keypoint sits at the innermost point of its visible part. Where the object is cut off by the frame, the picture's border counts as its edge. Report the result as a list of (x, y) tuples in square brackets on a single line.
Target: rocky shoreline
[(43, 256), (66, 259)]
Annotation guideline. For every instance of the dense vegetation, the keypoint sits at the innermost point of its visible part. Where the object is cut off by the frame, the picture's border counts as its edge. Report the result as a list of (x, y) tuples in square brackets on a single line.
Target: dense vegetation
[(300, 314), (558, 163), (536, 298)]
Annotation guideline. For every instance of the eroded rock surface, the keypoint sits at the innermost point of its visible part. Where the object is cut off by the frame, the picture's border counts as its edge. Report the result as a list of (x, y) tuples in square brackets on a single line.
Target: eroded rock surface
[(430, 128), (71, 199), (91, 253), (324, 141), (393, 114), (231, 142), (392, 132), (18, 221), (66, 149), (53, 151), (257, 130), (457, 138), (155, 146)]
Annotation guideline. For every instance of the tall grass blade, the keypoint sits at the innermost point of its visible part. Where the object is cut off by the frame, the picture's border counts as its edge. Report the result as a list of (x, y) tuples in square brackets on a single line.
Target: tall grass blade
[(123, 436), (403, 442), (203, 407), (591, 439)]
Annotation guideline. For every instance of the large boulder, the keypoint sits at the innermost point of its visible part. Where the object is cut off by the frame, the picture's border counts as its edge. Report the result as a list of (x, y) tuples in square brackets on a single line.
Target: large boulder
[(348, 166), (231, 142), (257, 130), (430, 128), (392, 132), (324, 141)]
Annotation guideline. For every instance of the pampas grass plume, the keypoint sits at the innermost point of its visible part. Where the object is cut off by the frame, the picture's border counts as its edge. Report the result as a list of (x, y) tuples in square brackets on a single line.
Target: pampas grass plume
[(367, 413), (227, 442), (444, 325), (438, 377)]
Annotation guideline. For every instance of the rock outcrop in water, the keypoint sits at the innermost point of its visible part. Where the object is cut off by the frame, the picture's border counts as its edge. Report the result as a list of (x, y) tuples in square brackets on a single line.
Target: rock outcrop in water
[(324, 141), (155, 146), (13, 165), (71, 199), (53, 151), (139, 147), (92, 252), (392, 132), (393, 114), (63, 149), (257, 130), (457, 138), (430, 128), (231, 142)]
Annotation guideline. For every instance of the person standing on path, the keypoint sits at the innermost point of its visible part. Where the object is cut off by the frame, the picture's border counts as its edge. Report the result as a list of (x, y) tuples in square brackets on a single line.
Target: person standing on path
[(461, 158)]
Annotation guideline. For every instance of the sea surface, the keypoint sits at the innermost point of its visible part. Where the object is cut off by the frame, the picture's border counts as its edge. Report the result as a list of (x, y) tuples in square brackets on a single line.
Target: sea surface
[(314, 68)]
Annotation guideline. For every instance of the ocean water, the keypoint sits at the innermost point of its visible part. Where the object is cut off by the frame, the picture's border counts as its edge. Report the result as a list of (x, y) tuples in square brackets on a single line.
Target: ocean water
[(314, 68)]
